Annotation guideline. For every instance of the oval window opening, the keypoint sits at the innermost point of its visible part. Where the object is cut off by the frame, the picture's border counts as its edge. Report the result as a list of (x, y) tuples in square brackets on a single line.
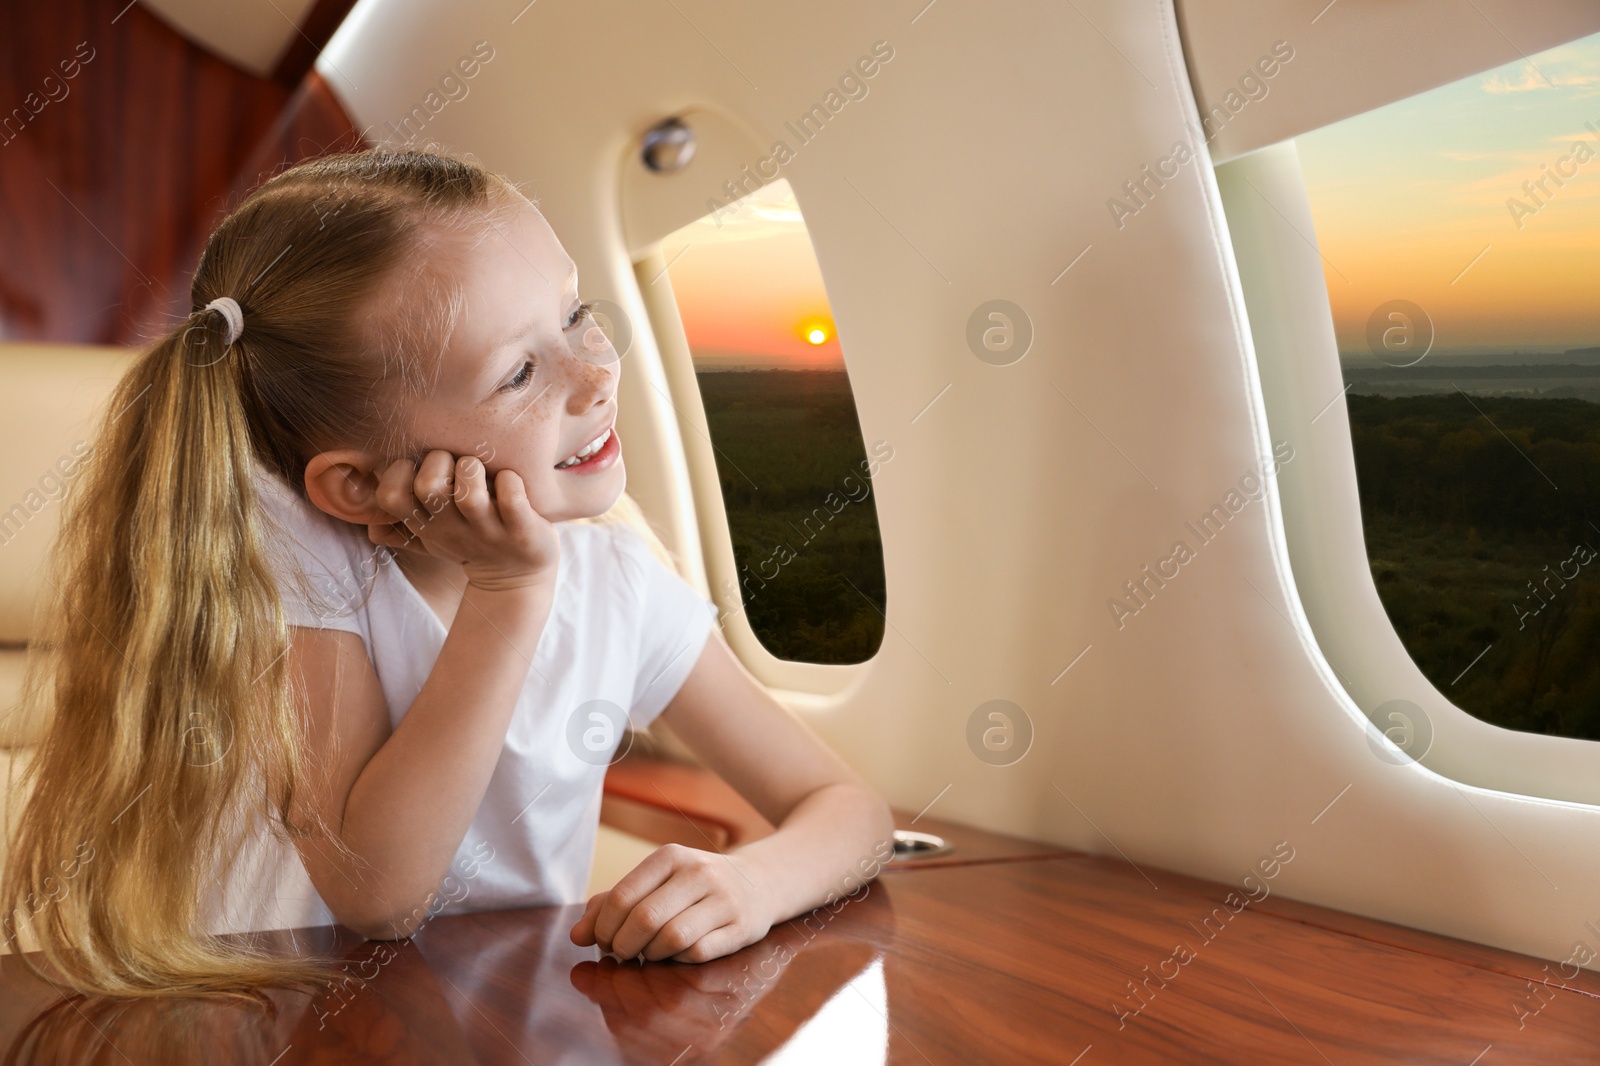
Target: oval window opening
[(795, 473)]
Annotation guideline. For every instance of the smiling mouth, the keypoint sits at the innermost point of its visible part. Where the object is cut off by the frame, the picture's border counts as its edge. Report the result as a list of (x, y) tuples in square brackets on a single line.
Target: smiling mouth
[(586, 451)]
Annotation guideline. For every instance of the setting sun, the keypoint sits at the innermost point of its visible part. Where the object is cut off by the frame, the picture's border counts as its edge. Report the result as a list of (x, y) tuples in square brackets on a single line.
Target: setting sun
[(749, 290)]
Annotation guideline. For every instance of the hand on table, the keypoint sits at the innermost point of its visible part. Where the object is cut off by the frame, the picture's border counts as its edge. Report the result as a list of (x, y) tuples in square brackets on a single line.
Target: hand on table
[(680, 903)]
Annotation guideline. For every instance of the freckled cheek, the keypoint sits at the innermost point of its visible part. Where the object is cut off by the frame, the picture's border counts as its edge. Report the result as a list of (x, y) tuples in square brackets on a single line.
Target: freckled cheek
[(527, 429)]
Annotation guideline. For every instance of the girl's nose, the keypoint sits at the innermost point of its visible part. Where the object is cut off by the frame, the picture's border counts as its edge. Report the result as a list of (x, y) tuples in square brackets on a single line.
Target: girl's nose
[(593, 373)]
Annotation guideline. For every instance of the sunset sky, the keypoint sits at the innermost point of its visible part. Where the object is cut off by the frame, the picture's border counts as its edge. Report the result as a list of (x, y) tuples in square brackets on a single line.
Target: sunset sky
[(1409, 202), (1406, 196), (731, 322)]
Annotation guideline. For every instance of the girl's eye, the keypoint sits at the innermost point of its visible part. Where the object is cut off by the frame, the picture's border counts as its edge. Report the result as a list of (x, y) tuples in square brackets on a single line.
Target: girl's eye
[(580, 314), (524, 376)]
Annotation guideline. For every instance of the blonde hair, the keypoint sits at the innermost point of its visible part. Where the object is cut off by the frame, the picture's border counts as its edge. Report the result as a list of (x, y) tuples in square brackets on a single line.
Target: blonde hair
[(174, 729)]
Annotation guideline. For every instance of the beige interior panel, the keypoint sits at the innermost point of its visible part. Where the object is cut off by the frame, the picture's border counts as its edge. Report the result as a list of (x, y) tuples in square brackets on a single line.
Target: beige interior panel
[(251, 34), (52, 396)]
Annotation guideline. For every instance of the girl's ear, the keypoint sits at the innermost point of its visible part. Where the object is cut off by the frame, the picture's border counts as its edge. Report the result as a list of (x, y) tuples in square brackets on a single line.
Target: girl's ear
[(343, 484)]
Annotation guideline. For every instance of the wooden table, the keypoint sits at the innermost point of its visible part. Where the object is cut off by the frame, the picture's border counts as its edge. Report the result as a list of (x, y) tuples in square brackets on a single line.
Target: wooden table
[(1001, 951)]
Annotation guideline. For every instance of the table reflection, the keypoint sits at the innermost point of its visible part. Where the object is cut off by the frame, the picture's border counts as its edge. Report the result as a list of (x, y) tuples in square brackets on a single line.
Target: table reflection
[(742, 1007), (94, 1031), (498, 986)]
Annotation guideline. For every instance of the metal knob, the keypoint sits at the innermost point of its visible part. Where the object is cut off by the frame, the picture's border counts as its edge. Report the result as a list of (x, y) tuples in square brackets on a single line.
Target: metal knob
[(668, 147), (910, 845)]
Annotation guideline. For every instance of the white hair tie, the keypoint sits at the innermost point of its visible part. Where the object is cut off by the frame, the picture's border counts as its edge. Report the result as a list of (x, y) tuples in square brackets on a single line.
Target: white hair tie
[(232, 312)]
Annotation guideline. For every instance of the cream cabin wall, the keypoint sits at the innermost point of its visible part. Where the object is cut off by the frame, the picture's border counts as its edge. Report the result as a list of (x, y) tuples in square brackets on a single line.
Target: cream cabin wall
[(1020, 499)]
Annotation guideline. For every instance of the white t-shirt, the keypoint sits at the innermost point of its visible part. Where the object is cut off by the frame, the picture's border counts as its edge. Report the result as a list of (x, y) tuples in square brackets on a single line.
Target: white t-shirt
[(623, 633)]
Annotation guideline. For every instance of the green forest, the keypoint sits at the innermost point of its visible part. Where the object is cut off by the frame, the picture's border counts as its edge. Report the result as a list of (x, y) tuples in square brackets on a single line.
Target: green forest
[(1480, 517), (785, 440)]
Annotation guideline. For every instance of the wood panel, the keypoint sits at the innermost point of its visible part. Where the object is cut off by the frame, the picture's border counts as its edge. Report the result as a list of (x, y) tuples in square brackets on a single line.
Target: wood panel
[(672, 802), (111, 178)]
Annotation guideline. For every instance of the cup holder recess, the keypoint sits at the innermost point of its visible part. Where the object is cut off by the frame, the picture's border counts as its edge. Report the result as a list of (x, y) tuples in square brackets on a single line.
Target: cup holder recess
[(912, 845)]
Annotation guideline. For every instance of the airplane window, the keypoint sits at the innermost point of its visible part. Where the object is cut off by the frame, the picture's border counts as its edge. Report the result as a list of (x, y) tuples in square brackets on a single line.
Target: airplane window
[(796, 474), (1460, 236)]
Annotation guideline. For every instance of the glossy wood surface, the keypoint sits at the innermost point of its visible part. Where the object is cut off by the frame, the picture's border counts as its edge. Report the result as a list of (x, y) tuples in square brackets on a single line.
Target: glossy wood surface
[(1025, 960)]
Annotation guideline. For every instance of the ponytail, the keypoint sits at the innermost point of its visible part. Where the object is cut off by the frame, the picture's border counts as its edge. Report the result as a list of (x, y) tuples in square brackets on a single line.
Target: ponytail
[(161, 665)]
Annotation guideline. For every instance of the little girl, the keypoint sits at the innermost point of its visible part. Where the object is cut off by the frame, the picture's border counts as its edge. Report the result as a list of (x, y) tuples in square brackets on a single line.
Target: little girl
[(351, 558)]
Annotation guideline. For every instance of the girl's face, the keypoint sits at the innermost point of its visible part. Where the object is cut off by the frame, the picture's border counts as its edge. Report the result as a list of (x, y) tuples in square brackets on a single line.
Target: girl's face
[(528, 379)]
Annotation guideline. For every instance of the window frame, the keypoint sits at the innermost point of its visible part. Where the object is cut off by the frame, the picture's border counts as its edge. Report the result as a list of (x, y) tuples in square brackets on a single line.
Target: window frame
[(1270, 228)]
